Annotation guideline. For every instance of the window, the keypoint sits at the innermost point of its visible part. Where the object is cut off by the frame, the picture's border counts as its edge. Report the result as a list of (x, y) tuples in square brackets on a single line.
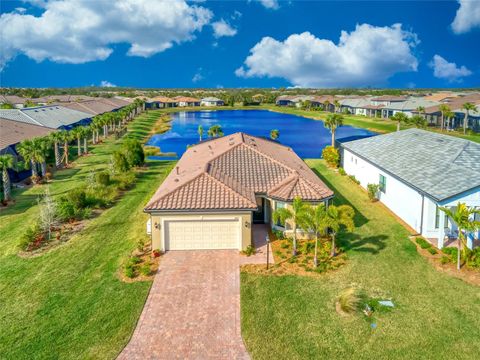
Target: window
[(280, 205), (437, 218), (382, 183)]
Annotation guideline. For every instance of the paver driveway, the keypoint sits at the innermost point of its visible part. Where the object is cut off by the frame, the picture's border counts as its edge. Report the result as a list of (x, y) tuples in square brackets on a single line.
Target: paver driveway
[(193, 309)]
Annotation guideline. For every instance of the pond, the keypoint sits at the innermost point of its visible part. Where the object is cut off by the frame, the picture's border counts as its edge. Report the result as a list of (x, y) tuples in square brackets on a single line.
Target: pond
[(306, 137)]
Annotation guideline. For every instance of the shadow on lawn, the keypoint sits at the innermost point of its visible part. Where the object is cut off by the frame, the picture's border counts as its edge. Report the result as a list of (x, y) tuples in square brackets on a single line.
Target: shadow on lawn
[(368, 244)]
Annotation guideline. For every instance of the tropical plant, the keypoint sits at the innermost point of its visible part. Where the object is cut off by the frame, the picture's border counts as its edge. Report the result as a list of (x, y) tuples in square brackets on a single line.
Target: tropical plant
[(215, 131), (373, 191), (7, 106), (336, 217), (44, 145), (331, 156), (32, 152), (6, 162), (77, 134), (419, 121), (56, 138), (200, 132), (443, 109), (85, 132), (467, 107), (315, 220), (133, 152), (326, 105), (332, 122), (337, 105), (274, 134), (295, 215), (400, 118), (463, 217), (421, 110), (449, 115), (65, 137)]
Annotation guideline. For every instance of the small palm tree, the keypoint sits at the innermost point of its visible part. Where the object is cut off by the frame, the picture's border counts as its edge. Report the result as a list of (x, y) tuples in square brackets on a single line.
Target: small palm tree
[(200, 132), (400, 118), (419, 121), (336, 103), (449, 115), (215, 131), (295, 215), (316, 221), (336, 217), (443, 109), (274, 134), (326, 105), (332, 122), (421, 110), (467, 107), (462, 216), (6, 162)]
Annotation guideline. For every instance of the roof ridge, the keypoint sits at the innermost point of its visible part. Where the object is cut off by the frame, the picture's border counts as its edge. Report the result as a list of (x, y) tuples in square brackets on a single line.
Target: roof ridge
[(229, 188), (28, 116), (230, 178), (286, 181), (269, 157)]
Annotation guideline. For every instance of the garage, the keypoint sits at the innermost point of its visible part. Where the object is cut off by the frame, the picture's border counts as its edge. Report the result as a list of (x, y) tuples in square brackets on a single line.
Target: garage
[(202, 234)]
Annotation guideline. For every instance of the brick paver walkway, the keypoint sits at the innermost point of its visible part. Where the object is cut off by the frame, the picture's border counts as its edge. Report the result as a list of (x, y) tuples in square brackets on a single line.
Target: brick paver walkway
[(193, 309)]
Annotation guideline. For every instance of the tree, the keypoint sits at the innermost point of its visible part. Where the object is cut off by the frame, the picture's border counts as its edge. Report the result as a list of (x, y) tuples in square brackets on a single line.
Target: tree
[(315, 220), (443, 109), (6, 162), (448, 116), (56, 138), (215, 131), (77, 134), (400, 118), (419, 121), (467, 107), (33, 153), (421, 110), (337, 105), (332, 122), (274, 134), (295, 215), (463, 217), (200, 132), (326, 105), (85, 133), (336, 217), (44, 146), (65, 137), (48, 212)]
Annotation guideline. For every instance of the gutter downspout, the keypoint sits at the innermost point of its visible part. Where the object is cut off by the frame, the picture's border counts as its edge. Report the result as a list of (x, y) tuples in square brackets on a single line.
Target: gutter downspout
[(421, 216)]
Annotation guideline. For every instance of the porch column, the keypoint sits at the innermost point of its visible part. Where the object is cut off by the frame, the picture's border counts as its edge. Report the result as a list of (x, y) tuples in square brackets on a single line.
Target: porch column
[(441, 230)]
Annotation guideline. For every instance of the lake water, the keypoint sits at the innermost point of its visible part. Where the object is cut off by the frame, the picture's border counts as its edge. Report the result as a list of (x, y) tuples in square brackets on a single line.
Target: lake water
[(306, 136)]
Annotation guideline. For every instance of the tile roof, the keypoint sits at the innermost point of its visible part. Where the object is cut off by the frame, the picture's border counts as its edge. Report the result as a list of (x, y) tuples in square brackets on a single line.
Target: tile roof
[(390, 98), (97, 106), (185, 99), (163, 99), (13, 132), (438, 165), (227, 172)]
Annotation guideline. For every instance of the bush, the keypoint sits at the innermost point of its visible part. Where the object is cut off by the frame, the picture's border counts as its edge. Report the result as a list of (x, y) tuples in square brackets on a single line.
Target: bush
[(452, 251), (77, 197), (125, 180), (278, 234), (134, 260), (424, 244), (102, 178), (133, 152), (432, 250), (342, 171), (373, 191), (250, 250), (145, 269), (349, 300), (129, 272), (445, 259), (119, 162), (331, 156), (102, 196), (473, 260), (32, 234), (354, 179)]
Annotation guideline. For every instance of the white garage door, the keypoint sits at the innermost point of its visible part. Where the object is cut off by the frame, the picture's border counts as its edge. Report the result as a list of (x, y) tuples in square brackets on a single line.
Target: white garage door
[(202, 234)]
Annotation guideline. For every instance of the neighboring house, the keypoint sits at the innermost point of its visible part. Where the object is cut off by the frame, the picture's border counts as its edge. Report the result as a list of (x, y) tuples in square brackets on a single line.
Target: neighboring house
[(160, 102), (184, 101), (212, 101), (17, 101), (418, 171), (221, 187), (358, 106), (408, 107), (54, 117), (286, 100), (98, 106)]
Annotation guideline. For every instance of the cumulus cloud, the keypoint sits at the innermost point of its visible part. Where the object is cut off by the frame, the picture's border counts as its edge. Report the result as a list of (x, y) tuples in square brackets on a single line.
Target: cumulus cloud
[(222, 28), (368, 55), (105, 83), (443, 69), (78, 31), (270, 4), (467, 17)]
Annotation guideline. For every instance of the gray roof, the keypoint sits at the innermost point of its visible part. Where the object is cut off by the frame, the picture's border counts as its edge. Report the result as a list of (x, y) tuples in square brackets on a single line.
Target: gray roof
[(355, 102), (438, 165), (48, 116), (211, 99), (411, 104)]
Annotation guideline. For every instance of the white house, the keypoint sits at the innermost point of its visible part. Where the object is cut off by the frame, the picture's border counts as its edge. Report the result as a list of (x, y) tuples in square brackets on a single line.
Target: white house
[(212, 101), (418, 171)]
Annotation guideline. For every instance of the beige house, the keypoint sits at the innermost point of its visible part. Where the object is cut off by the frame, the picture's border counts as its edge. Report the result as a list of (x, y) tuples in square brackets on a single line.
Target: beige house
[(221, 187)]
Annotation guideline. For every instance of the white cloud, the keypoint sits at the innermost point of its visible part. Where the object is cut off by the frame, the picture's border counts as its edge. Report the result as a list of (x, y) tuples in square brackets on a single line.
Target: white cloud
[(270, 4), (467, 17), (78, 31), (222, 28), (443, 69), (105, 83), (369, 55), (198, 76), (236, 15)]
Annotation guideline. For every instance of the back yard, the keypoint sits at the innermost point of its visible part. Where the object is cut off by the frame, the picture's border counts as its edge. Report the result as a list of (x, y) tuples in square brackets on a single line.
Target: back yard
[(292, 317)]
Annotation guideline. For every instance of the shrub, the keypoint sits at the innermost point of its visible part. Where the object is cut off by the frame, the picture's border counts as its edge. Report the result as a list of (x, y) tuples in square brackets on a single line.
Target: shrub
[(74, 205), (119, 162), (125, 180), (331, 156), (145, 269), (102, 196), (77, 197), (432, 250), (31, 235), (473, 260), (452, 251), (133, 151), (278, 234), (342, 171), (250, 250), (285, 245), (156, 253), (424, 244), (373, 191), (129, 272), (445, 259), (102, 178), (349, 300), (308, 247), (134, 260), (354, 179)]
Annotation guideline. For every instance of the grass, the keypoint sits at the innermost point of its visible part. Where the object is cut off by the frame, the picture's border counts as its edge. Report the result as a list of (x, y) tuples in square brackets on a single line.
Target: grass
[(294, 317), (69, 303)]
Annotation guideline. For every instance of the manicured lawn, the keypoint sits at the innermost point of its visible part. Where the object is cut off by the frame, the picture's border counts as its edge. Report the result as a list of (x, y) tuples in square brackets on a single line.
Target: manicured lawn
[(291, 317), (68, 303)]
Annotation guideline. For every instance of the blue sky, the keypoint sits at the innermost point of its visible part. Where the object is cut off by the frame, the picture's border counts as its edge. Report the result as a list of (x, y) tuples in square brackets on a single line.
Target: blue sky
[(209, 44)]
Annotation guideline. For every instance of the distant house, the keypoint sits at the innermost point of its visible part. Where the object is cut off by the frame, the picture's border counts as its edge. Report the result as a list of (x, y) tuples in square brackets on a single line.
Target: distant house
[(16, 101), (184, 101), (419, 171), (160, 102), (98, 105), (212, 101)]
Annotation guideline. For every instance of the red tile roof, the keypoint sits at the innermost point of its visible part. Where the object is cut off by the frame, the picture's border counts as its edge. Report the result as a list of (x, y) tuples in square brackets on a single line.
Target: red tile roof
[(228, 172)]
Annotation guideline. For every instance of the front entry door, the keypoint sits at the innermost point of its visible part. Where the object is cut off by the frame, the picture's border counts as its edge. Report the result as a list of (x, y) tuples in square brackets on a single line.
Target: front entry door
[(259, 215)]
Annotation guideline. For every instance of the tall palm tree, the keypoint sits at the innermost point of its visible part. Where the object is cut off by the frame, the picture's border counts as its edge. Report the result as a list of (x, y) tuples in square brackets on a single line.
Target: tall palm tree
[(6, 162), (316, 221), (336, 103), (295, 215), (77, 134), (332, 122), (56, 138), (32, 152), (215, 131), (443, 109), (200, 132), (400, 118), (338, 216), (462, 216), (66, 138), (326, 105), (467, 107), (44, 146), (85, 132), (449, 115)]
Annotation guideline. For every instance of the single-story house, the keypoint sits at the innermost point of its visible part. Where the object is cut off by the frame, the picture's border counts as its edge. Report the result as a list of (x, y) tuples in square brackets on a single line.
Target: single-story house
[(212, 101), (223, 186), (97, 106), (184, 101), (160, 102), (418, 172), (16, 101)]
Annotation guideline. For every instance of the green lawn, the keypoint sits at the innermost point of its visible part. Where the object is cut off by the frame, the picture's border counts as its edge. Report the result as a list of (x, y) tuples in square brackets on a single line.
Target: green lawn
[(291, 317), (68, 303)]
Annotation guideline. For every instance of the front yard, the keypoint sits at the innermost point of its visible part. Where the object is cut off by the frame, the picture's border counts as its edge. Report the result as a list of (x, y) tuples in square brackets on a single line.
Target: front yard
[(293, 317)]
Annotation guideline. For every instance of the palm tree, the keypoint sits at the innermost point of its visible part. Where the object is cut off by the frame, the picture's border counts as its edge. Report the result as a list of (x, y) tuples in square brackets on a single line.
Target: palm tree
[(66, 138), (44, 146), (400, 117), (85, 133), (462, 216), (337, 105), (332, 122), (296, 215), (32, 152), (448, 116), (6, 162), (77, 133), (443, 109), (421, 110), (338, 216), (274, 134), (419, 121), (326, 104), (467, 107), (200, 132), (56, 138), (316, 221), (215, 131)]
